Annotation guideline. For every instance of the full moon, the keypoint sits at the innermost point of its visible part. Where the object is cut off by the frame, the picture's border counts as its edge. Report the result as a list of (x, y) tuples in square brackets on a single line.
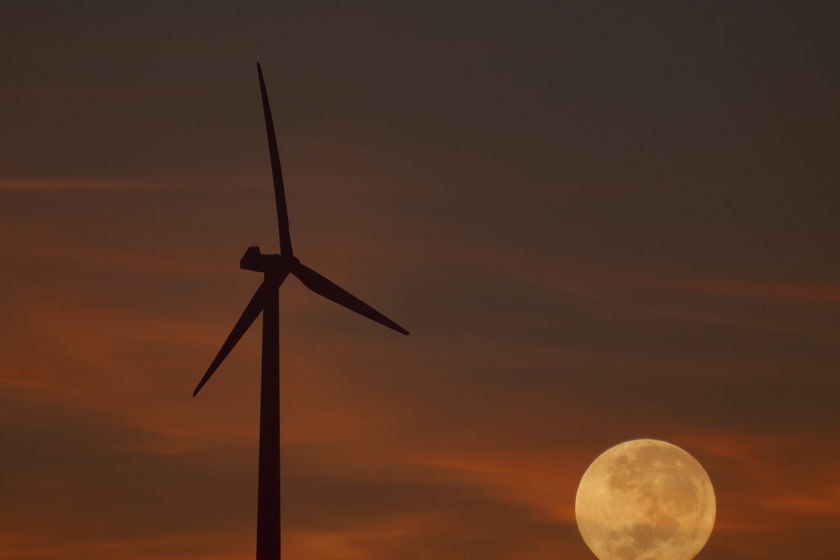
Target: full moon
[(645, 499)]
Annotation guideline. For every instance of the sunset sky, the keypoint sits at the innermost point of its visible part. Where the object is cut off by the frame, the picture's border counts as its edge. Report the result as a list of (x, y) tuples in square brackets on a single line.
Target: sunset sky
[(600, 221)]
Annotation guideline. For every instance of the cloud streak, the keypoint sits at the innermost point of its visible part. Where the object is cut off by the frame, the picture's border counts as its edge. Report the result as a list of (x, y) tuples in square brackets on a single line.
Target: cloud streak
[(63, 184)]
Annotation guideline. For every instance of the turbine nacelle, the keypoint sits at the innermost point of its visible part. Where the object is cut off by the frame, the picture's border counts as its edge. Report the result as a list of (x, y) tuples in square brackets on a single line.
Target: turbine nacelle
[(256, 260)]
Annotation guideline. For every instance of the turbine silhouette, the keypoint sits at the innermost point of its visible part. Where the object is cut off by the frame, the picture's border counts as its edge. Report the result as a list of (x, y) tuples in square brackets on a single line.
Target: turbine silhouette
[(266, 300)]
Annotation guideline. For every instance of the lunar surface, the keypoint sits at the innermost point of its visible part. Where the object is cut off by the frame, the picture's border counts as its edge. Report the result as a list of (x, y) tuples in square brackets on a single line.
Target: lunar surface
[(645, 500)]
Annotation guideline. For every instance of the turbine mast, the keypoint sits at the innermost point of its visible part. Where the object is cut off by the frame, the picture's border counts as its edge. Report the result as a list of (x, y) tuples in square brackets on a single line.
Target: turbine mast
[(268, 492)]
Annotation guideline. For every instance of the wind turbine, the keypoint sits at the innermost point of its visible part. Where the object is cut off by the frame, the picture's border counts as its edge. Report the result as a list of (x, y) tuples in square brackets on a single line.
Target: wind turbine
[(266, 300)]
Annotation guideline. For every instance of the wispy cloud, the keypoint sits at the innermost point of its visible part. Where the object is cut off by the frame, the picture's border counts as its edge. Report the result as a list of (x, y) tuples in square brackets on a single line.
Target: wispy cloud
[(81, 184), (91, 256), (636, 292), (216, 545), (800, 292)]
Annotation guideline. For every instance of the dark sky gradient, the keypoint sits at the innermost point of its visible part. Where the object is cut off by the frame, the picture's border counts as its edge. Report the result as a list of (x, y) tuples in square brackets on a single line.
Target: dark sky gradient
[(600, 222)]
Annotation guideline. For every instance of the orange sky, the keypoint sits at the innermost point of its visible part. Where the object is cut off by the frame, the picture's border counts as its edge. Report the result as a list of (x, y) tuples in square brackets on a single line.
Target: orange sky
[(599, 224)]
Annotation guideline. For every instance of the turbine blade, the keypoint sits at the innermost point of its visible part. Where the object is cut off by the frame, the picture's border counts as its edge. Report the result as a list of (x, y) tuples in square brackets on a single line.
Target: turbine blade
[(277, 173), (252, 310), (329, 290)]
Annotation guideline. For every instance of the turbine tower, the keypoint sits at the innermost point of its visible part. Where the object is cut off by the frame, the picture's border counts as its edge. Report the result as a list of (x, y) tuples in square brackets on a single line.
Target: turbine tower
[(266, 300)]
